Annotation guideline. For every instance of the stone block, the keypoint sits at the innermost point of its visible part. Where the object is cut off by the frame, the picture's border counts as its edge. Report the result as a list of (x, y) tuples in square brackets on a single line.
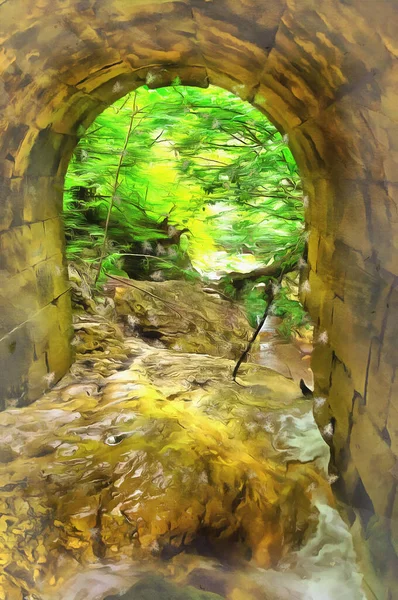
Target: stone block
[(16, 355), (392, 419), (373, 587), (50, 334), (54, 235), (341, 400), (67, 115), (387, 312), (351, 220), (22, 158), (107, 89), (374, 460), (6, 204), (55, 316), (12, 255), (343, 55), (40, 326), (64, 308), (394, 522), (352, 152), (38, 380), (379, 384), (114, 84), (44, 153), (91, 52), (34, 350), (383, 556), (38, 248), (242, 20), (11, 141), (171, 43), (311, 150), (349, 338), (272, 98), (309, 298), (348, 474), (27, 246), (313, 247), (321, 364), (319, 302), (18, 298), (302, 63), (388, 85), (42, 197), (331, 264), (322, 415), (363, 289), (382, 201), (384, 130), (164, 76), (321, 207), (28, 200), (51, 279), (58, 354), (218, 42)]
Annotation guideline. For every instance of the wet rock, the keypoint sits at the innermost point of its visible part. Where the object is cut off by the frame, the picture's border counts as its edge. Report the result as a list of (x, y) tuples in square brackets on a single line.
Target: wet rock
[(157, 587), (210, 580), (183, 317), (166, 456), (81, 281)]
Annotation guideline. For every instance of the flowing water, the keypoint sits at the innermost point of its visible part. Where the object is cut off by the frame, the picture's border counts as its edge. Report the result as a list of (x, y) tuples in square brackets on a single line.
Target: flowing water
[(147, 472), (323, 569), (290, 358)]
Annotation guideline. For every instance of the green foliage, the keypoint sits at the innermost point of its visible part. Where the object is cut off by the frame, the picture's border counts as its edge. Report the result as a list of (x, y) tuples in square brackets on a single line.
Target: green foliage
[(291, 312), (190, 181), (113, 263), (255, 304)]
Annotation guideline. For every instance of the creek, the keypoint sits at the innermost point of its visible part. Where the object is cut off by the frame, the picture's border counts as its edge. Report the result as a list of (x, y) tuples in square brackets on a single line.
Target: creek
[(147, 472)]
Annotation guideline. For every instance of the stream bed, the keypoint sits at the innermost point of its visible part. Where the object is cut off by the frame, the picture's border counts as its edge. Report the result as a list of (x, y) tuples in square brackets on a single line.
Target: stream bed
[(147, 472)]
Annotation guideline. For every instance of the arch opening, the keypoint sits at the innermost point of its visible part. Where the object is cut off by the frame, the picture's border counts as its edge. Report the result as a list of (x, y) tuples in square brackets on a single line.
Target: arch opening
[(103, 201), (181, 183)]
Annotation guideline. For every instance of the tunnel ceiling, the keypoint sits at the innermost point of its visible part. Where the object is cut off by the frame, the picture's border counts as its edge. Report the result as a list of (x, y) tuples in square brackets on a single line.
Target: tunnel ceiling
[(325, 72)]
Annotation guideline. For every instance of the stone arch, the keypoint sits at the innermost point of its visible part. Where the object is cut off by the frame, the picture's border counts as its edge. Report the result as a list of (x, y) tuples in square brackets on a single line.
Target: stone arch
[(326, 74)]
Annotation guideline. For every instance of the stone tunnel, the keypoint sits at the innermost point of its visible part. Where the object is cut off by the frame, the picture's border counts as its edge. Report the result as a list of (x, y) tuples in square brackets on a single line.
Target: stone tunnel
[(325, 73)]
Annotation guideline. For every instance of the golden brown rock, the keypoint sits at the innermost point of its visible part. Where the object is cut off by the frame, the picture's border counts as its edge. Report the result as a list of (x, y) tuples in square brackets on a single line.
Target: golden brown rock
[(183, 317), (147, 461)]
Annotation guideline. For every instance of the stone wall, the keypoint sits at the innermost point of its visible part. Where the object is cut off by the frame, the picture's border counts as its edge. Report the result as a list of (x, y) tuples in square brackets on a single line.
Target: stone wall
[(325, 72)]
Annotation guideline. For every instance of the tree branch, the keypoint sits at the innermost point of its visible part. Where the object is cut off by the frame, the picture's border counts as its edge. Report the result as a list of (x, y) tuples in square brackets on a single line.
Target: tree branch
[(115, 186), (273, 270), (269, 293), (271, 289)]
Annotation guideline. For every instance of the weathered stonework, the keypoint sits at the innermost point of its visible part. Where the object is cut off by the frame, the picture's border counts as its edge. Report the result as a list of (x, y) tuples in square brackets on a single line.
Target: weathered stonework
[(325, 72)]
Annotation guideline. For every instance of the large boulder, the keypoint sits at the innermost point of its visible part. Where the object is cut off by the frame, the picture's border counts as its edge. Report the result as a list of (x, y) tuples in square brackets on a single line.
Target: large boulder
[(183, 316)]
